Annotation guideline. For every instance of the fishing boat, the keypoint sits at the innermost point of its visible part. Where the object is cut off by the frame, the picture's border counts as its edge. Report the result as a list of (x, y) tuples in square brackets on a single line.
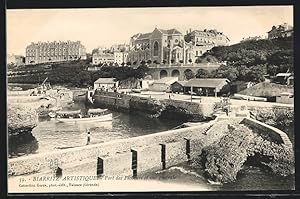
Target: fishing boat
[(93, 115)]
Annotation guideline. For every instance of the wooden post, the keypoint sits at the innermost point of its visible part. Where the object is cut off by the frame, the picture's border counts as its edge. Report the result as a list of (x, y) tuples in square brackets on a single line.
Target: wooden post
[(191, 93), (215, 92)]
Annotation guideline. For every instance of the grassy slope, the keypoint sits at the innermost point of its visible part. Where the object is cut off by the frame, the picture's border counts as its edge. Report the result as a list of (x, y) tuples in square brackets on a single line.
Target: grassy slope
[(267, 89)]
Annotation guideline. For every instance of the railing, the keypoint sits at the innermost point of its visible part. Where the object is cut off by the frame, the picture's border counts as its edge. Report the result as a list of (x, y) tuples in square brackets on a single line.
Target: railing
[(208, 65)]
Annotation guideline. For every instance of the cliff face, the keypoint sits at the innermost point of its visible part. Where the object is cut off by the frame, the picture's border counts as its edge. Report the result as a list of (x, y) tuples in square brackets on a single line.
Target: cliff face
[(225, 158)]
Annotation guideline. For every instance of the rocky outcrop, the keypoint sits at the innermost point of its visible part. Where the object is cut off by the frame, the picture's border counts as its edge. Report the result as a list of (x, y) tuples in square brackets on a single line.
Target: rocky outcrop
[(225, 158), (21, 120), (150, 107), (276, 116)]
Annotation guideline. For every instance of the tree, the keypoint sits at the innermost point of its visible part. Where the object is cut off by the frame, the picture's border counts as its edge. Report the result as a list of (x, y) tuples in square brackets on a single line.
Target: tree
[(229, 72), (189, 74), (198, 60), (243, 71), (256, 73), (141, 71), (272, 69), (202, 73)]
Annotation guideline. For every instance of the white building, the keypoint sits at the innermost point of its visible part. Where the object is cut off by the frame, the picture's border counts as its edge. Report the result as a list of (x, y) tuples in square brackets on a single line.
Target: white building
[(120, 57), (106, 83), (102, 58)]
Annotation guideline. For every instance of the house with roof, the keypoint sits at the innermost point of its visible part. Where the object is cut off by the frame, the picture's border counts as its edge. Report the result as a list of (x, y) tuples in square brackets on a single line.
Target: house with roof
[(106, 83), (178, 86), (280, 31), (101, 55), (163, 84), (207, 86)]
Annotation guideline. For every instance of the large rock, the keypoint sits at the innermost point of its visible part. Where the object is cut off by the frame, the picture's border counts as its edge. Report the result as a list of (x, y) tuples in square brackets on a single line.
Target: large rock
[(20, 117), (225, 158)]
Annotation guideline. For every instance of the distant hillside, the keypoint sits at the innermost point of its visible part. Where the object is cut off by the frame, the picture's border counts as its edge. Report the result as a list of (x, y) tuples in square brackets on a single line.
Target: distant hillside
[(259, 47), (251, 60), (267, 89)]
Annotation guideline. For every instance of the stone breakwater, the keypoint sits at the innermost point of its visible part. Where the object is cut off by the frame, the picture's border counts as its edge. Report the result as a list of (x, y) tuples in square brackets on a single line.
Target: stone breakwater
[(116, 155), (220, 148), (166, 108)]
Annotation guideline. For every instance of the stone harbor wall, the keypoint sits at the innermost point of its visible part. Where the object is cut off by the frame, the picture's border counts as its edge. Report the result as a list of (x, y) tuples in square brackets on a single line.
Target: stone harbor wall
[(188, 111), (111, 153)]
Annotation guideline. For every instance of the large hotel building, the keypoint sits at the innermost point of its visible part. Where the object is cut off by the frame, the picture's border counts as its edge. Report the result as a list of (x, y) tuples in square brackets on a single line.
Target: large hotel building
[(42, 52), (171, 46)]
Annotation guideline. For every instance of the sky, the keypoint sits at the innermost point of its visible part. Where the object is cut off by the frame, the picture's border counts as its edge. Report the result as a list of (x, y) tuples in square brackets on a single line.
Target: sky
[(107, 26)]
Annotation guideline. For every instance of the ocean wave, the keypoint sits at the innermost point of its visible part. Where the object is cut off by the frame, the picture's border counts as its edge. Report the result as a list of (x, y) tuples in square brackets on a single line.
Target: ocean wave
[(182, 170)]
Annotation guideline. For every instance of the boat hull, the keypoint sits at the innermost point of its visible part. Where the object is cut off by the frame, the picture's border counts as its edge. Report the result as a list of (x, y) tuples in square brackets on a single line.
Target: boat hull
[(102, 118)]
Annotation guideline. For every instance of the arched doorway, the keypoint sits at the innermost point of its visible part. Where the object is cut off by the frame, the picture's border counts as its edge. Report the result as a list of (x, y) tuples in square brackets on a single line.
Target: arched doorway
[(163, 73), (175, 73)]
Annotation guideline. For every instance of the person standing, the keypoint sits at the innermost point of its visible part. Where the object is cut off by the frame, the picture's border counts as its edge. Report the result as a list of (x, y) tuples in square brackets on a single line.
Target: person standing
[(88, 137)]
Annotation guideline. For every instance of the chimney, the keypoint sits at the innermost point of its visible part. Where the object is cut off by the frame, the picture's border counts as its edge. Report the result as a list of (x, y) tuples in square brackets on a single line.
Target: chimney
[(190, 30)]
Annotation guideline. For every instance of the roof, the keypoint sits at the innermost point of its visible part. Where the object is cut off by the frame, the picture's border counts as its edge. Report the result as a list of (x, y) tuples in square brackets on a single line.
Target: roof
[(104, 55), (283, 74), (182, 83), (105, 81), (286, 94), (144, 36), (170, 31), (141, 36), (166, 80), (206, 82)]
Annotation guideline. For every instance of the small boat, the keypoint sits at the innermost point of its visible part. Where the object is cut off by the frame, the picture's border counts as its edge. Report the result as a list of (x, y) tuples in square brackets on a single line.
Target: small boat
[(94, 115)]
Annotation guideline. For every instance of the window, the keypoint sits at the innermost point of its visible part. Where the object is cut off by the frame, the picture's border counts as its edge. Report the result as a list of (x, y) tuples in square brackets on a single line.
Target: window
[(176, 40), (155, 48)]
